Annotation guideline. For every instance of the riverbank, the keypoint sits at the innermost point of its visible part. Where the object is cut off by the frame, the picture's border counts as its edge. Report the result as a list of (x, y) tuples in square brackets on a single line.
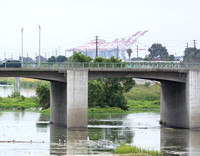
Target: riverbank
[(18, 103)]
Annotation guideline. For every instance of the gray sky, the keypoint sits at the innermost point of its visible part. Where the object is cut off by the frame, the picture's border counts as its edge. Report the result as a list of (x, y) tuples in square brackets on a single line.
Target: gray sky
[(69, 23)]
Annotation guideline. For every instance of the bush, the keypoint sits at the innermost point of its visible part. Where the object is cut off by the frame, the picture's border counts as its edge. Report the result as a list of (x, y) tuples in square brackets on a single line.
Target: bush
[(15, 94), (43, 93)]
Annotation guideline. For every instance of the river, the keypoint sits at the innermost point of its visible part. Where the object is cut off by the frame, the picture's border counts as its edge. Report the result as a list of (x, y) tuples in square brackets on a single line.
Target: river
[(29, 133)]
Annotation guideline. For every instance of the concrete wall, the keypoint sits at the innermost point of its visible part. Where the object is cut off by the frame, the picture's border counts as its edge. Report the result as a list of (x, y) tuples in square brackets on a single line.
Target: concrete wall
[(77, 98), (174, 108), (58, 103), (193, 98)]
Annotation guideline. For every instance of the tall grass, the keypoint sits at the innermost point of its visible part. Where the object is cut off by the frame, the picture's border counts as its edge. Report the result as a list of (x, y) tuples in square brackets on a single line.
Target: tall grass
[(141, 98), (124, 149)]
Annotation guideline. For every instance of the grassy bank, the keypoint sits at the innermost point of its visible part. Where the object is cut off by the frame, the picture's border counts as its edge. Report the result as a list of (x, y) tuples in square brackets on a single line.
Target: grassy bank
[(124, 149), (142, 99), (19, 103)]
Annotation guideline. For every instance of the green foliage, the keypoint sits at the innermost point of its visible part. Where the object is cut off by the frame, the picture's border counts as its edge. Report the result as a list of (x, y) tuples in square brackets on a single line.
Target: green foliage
[(19, 102), (7, 81), (140, 92), (96, 94), (158, 53), (191, 55), (78, 57), (112, 59), (15, 94), (52, 59), (60, 58), (43, 93), (147, 84), (114, 93), (125, 149), (46, 111), (105, 110)]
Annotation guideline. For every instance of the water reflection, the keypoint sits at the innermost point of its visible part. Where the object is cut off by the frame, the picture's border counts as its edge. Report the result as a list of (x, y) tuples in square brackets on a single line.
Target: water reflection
[(180, 142), (6, 90), (94, 140), (65, 141), (104, 134)]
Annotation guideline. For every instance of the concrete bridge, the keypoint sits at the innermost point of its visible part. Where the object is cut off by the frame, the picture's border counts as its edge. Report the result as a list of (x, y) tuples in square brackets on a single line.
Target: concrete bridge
[(180, 90)]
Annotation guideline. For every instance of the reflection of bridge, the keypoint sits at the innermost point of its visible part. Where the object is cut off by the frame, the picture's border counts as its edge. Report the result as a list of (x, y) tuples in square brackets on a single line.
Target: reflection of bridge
[(180, 88)]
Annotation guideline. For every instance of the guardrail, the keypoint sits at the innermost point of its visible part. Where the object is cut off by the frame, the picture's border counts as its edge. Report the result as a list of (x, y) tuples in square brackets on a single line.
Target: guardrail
[(134, 65)]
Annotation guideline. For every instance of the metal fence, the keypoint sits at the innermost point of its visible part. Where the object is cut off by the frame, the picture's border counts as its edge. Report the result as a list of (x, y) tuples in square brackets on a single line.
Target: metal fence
[(129, 65)]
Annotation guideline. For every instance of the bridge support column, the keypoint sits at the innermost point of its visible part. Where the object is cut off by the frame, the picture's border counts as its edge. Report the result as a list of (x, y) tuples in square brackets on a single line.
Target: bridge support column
[(180, 102), (174, 107), (77, 99), (193, 98), (58, 103)]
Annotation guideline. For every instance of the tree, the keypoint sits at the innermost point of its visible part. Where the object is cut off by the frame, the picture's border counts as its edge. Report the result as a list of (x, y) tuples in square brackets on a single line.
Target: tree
[(96, 94), (61, 58), (78, 57), (159, 53), (191, 55), (115, 87), (43, 93), (52, 59)]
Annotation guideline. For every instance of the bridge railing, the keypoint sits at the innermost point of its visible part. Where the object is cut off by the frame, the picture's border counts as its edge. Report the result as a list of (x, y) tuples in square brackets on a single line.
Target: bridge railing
[(129, 65)]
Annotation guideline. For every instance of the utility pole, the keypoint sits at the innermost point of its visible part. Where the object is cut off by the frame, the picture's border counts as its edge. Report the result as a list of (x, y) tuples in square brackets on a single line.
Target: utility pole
[(194, 43), (137, 52), (195, 57), (39, 43), (187, 45), (22, 44), (161, 54), (97, 45)]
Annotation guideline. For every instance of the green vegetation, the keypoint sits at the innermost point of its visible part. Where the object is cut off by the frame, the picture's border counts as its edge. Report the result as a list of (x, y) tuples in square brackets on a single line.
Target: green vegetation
[(19, 103), (124, 149), (45, 112), (43, 93), (158, 53), (106, 110), (141, 98)]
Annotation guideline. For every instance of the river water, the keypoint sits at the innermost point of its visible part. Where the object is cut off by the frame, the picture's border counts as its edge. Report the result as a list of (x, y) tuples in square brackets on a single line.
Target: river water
[(29, 133)]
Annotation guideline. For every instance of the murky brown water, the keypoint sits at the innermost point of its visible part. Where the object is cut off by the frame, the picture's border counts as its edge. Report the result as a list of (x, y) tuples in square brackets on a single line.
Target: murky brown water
[(29, 133)]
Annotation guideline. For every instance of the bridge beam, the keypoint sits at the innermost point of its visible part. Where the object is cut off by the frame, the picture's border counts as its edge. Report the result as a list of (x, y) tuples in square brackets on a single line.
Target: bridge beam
[(77, 98), (58, 103)]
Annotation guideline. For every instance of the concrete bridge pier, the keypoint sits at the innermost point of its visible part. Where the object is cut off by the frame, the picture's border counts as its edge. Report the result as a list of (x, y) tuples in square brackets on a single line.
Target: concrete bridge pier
[(174, 109), (58, 103), (180, 102), (77, 98), (69, 101)]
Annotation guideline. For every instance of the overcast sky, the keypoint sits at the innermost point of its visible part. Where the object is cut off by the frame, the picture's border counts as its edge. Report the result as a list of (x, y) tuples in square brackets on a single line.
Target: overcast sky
[(68, 23)]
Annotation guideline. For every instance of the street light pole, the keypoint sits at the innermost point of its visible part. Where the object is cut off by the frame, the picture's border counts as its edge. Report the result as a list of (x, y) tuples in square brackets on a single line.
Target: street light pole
[(22, 44), (39, 44)]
